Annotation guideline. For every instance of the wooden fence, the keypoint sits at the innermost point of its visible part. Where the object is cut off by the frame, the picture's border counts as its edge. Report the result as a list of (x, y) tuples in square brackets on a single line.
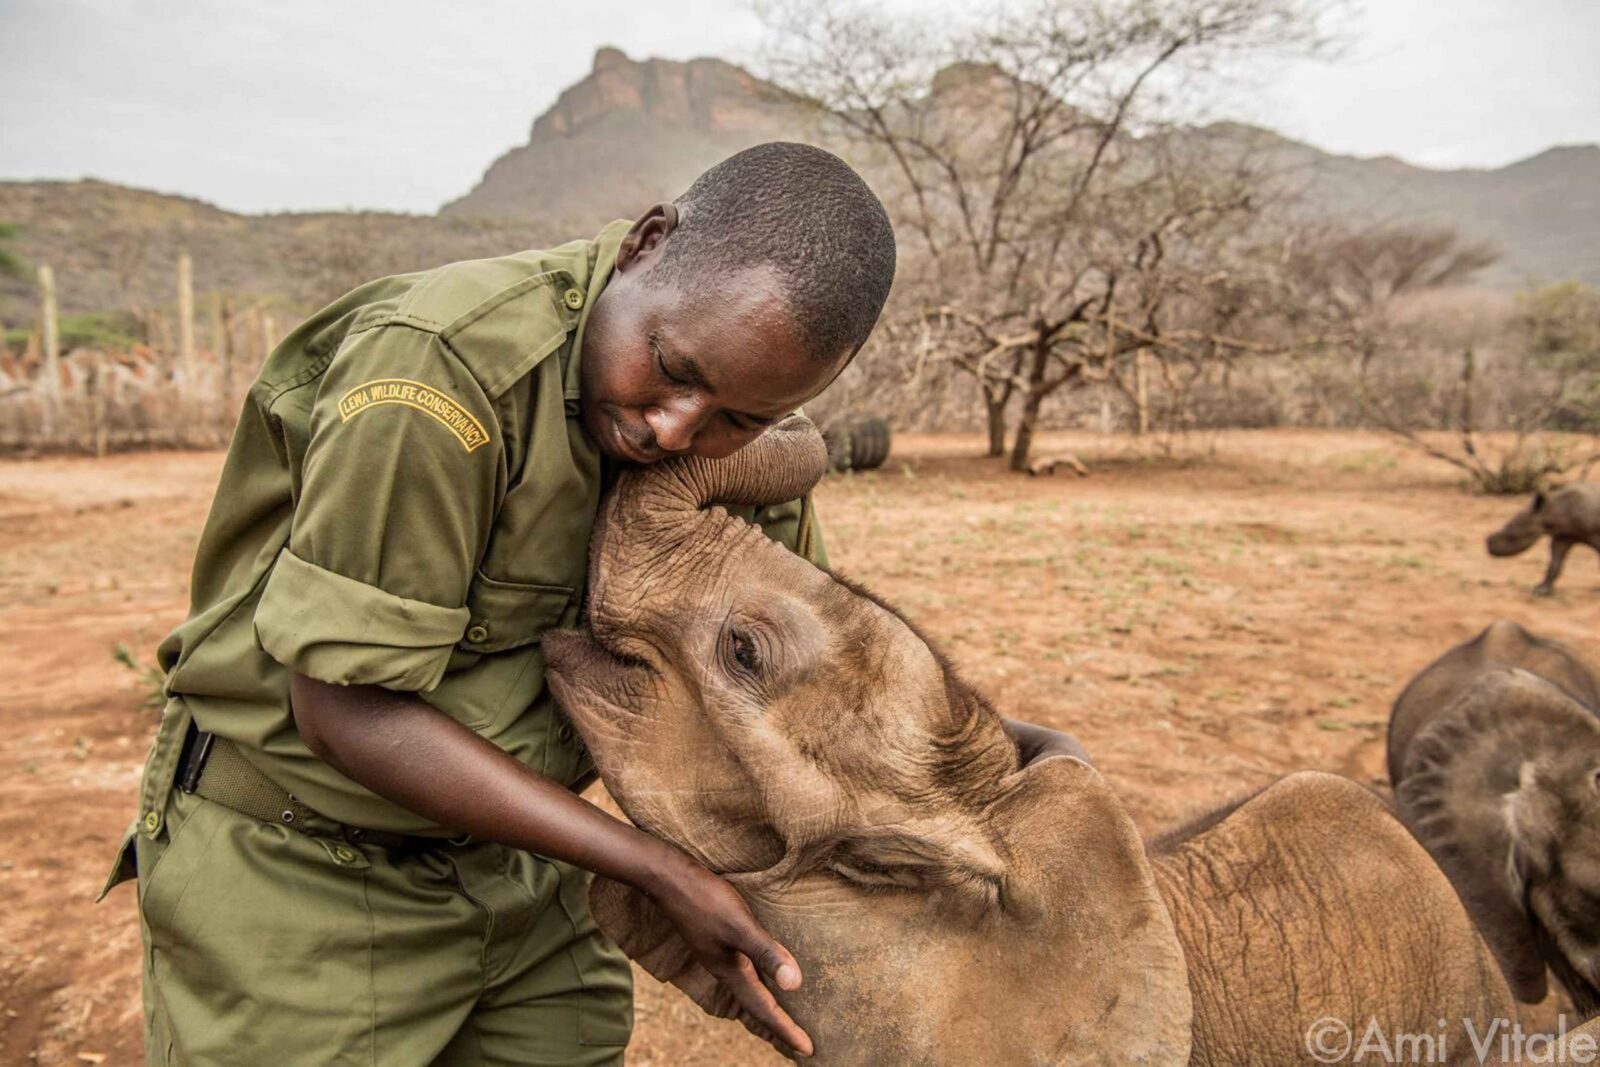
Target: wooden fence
[(182, 390)]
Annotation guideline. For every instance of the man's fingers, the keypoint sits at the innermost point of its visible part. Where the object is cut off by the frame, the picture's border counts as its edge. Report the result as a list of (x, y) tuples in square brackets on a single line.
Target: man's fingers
[(774, 961), (752, 1024), (758, 1000)]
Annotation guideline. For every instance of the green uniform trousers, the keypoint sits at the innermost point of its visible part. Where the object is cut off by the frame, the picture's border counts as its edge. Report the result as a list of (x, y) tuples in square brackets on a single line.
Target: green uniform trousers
[(266, 945)]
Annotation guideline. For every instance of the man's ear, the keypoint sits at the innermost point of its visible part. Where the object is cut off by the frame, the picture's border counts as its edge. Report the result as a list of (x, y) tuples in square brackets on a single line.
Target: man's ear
[(638, 248)]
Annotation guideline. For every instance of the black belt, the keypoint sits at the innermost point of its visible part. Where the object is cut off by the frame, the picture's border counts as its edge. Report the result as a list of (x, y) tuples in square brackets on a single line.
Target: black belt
[(214, 768)]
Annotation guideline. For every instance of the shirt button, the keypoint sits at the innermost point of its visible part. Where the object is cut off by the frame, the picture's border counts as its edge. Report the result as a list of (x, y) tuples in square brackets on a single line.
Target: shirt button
[(564, 732), (478, 634), (152, 822), (574, 298), (344, 855)]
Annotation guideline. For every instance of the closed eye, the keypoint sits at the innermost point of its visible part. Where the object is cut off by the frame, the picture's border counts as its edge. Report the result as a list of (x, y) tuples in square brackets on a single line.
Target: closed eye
[(661, 362)]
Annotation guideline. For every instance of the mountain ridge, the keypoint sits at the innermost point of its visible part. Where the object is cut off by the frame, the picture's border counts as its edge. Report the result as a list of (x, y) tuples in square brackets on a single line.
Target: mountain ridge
[(1542, 212), (632, 132)]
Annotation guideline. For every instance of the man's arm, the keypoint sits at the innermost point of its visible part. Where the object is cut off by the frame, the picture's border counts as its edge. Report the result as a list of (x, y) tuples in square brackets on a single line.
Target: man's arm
[(367, 605), (409, 752)]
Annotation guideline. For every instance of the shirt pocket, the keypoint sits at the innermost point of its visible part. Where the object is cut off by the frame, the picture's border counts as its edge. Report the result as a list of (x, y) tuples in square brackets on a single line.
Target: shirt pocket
[(508, 615), (497, 670)]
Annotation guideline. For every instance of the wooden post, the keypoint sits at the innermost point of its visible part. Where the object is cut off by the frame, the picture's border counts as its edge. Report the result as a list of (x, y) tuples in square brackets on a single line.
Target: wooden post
[(160, 337), (1141, 388), (222, 331), (97, 403), (51, 329), (269, 335), (216, 324), (186, 319)]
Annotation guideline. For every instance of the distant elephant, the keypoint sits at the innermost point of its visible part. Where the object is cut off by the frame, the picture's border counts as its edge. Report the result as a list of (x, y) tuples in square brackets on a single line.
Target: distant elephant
[(1570, 516), (1494, 753), (786, 728)]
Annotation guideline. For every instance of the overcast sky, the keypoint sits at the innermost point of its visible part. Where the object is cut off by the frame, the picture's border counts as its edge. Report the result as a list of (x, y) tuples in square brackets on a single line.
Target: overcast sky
[(401, 104)]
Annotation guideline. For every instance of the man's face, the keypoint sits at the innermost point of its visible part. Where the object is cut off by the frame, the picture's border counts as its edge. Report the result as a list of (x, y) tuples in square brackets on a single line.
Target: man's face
[(667, 373)]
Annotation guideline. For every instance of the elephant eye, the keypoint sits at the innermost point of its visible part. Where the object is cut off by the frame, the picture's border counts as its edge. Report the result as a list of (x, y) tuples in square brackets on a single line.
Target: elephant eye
[(743, 651)]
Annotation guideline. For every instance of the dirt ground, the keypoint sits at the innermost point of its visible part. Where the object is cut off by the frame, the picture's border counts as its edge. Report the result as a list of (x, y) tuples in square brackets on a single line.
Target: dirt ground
[(1203, 627)]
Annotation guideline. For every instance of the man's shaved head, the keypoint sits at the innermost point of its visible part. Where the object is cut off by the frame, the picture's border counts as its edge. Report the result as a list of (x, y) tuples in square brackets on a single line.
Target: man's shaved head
[(806, 215), (735, 304)]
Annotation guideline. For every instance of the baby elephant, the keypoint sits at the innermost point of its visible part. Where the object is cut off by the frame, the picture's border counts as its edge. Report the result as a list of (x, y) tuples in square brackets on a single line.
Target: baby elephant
[(1570, 515), (949, 902), (1494, 752)]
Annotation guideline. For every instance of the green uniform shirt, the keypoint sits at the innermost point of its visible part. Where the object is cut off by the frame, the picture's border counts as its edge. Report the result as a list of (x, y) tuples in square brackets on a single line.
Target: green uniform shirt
[(407, 502)]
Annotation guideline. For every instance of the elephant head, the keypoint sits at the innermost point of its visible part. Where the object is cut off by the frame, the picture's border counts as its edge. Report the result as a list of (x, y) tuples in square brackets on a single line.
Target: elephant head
[(1503, 643), (1522, 532), (1503, 788), (795, 734)]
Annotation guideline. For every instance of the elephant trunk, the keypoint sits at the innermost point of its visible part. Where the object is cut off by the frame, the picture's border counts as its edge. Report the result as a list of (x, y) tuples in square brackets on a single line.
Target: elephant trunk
[(780, 465), (652, 511)]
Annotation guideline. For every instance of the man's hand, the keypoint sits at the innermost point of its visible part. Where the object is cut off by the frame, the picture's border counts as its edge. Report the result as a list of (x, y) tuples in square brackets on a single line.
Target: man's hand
[(404, 749), (730, 944), (1035, 743)]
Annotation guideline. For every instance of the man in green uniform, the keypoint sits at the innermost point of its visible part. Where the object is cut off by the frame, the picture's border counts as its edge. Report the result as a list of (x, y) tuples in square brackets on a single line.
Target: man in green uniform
[(358, 839)]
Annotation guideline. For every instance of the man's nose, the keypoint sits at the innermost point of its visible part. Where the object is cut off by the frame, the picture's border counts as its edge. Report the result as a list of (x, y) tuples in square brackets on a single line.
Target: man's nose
[(675, 424)]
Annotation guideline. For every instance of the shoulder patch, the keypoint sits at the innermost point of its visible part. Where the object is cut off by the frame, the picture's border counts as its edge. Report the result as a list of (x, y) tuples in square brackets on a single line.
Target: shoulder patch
[(424, 398)]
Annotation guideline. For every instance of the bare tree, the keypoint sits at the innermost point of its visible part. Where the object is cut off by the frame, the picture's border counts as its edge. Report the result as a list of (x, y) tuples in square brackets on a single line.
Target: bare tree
[(1559, 325), (1423, 362), (1042, 207)]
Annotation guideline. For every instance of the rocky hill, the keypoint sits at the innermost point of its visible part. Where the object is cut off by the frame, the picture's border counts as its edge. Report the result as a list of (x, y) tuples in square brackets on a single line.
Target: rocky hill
[(1542, 212), (633, 132), (628, 135), (116, 247)]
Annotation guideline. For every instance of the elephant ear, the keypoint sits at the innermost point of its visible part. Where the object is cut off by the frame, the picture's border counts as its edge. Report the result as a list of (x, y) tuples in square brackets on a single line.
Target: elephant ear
[(1025, 927), (1459, 772)]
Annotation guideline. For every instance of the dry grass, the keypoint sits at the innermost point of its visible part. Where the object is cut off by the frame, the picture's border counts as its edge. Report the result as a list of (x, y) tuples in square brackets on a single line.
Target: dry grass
[(1203, 627)]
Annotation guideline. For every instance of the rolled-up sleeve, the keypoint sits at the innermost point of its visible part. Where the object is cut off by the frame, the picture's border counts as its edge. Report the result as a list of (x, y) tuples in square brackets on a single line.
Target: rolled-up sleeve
[(331, 627), (393, 513)]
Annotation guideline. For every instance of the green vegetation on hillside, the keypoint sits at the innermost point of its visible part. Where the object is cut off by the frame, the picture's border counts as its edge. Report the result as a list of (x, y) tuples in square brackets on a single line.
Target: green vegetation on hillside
[(11, 263), (96, 329)]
